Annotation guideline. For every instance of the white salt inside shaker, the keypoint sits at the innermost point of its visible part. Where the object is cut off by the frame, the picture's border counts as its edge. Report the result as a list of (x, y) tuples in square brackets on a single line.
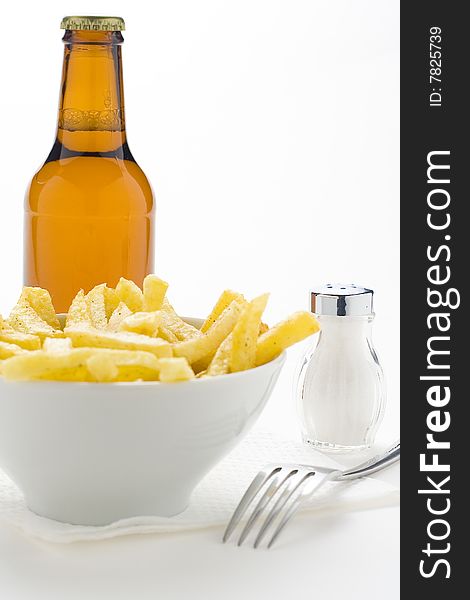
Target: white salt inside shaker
[(341, 388)]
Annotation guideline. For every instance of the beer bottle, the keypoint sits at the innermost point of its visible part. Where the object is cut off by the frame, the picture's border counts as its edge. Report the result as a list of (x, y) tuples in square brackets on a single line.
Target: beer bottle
[(89, 210)]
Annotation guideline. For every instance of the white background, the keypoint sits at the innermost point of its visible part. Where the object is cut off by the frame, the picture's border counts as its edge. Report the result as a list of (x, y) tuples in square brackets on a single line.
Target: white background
[(269, 130)]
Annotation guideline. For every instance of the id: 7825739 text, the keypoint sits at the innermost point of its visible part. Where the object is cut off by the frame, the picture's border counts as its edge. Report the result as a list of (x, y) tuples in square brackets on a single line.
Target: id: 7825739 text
[(435, 66)]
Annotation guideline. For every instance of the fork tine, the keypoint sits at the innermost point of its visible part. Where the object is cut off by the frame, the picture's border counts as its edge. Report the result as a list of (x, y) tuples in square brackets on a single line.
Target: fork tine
[(261, 478), (296, 504), (287, 493), (274, 486)]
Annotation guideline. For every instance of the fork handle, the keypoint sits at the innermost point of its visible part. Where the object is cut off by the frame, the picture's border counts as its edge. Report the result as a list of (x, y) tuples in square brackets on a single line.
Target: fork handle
[(377, 463)]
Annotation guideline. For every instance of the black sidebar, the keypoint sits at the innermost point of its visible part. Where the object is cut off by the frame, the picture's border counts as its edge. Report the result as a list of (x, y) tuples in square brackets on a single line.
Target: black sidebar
[(435, 265)]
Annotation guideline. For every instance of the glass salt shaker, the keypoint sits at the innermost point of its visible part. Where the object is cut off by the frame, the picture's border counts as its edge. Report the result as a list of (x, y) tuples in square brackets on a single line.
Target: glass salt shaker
[(341, 387)]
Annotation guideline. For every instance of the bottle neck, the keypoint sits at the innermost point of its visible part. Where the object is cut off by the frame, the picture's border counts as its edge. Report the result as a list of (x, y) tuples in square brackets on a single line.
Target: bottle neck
[(346, 330), (91, 107)]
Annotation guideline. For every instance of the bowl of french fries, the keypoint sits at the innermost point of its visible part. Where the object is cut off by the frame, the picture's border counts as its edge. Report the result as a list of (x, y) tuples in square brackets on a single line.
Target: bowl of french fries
[(120, 407)]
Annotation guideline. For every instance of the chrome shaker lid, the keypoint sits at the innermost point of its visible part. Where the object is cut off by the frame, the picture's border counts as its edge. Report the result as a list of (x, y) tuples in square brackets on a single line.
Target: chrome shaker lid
[(342, 300)]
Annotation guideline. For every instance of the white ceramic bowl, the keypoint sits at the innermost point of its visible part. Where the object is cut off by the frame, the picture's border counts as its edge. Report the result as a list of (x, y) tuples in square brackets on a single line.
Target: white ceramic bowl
[(91, 453)]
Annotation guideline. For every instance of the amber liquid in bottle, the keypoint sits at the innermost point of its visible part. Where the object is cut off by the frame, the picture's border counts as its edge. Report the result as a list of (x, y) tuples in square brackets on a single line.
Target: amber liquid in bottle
[(89, 210)]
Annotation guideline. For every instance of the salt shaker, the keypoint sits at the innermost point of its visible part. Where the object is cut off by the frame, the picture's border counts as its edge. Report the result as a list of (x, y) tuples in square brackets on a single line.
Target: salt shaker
[(341, 388)]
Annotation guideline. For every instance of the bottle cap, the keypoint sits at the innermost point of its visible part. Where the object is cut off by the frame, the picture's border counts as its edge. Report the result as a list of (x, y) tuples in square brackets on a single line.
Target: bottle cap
[(342, 300), (93, 23)]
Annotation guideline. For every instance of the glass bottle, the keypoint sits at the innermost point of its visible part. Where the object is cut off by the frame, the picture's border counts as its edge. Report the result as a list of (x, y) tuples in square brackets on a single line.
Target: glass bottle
[(89, 210), (341, 389)]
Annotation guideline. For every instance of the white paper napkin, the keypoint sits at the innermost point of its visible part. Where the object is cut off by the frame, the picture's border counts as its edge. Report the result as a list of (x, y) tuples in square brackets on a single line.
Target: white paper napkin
[(214, 499)]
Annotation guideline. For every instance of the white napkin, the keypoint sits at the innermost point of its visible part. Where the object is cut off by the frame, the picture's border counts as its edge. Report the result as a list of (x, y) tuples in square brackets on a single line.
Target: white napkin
[(214, 499)]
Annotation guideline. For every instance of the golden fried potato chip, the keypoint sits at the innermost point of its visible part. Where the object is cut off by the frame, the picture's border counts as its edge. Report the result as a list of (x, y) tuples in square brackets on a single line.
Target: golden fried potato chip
[(81, 364), (57, 345), (220, 364), (126, 334), (24, 340), (174, 369), (111, 301), (146, 323), (38, 364), (245, 335), (25, 319), (7, 350), (134, 365), (95, 300), (122, 340), (203, 348), (130, 294), (225, 299), (102, 367), (41, 302), (167, 335), (122, 365), (79, 312), (154, 290), (120, 313), (175, 324), (286, 333), (73, 365)]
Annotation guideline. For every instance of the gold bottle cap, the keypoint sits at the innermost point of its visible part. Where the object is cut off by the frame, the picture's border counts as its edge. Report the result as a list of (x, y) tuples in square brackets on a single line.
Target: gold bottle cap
[(93, 23)]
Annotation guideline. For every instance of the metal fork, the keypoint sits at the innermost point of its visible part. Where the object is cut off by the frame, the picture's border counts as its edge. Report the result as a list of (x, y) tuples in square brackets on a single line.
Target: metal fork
[(287, 486)]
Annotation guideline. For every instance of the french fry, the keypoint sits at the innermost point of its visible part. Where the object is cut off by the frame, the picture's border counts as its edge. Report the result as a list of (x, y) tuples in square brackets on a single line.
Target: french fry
[(286, 333), (174, 369), (220, 364), (41, 302), (122, 340), (57, 345), (134, 365), (123, 365), (95, 300), (172, 322), (166, 334), (203, 348), (225, 299), (154, 290), (120, 313), (7, 350), (111, 301), (229, 357), (25, 319), (102, 367), (245, 335), (24, 340), (73, 365), (39, 364), (126, 334), (79, 312), (130, 294), (146, 323)]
